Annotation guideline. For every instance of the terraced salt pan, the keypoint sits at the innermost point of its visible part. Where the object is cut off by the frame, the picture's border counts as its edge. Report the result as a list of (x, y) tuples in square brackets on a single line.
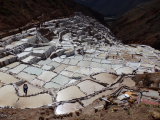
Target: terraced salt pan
[(71, 81), (8, 96), (69, 93), (132, 64), (116, 66), (58, 59), (47, 67), (101, 56), (87, 58), (26, 76), (66, 61), (72, 68), (67, 108), (105, 78), (55, 64), (34, 101), (37, 82), (28, 49), (60, 68), (83, 63), (78, 75), (90, 100), (60, 79), (33, 70), (105, 61), (18, 69), (13, 44), (13, 65), (126, 70), (52, 85), (95, 70), (4, 69), (96, 60), (66, 73), (23, 54), (6, 78), (44, 62), (106, 66), (78, 57), (47, 76), (128, 82), (89, 87), (95, 65), (73, 62), (147, 65), (31, 90), (29, 58), (84, 70), (144, 60), (35, 65)]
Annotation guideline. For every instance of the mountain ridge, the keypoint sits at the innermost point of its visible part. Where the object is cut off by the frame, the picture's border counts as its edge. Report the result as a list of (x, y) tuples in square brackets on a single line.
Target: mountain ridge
[(140, 25), (17, 13), (114, 7)]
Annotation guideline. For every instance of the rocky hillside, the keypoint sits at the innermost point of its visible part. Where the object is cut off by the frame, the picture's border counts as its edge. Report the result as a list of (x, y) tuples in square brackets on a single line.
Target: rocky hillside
[(17, 13), (140, 25), (111, 7)]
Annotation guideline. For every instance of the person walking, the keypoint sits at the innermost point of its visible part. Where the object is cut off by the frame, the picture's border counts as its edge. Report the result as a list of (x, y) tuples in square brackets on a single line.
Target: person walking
[(25, 88)]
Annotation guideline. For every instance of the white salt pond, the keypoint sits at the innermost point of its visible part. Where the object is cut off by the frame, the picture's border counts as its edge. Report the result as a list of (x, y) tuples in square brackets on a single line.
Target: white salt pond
[(125, 70), (66, 73), (84, 70), (72, 68), (69, 93), (60, 68), (83, 63), (105, 78), (8, 96), (13, 65), (18, 69), (52, 85), (67, 108), (47, 76), (89, 87), (62, 80), (37, 82), (33, 101), (31, 90), (6, 78), (33, 70), (26, 76)]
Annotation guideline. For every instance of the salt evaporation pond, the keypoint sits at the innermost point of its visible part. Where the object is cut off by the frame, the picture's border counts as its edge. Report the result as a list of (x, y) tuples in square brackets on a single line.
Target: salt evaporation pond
[(6, 78), (70, 77), (105, 78), (125, 70), (89, 87), (69, 93)]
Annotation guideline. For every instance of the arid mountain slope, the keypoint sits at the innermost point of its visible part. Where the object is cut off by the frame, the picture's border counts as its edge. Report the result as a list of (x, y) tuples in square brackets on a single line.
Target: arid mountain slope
[(140, 25), (111, 7), (17, 13)]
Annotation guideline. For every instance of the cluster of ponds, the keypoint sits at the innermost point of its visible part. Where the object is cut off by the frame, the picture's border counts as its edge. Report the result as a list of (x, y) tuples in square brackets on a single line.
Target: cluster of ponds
[(65, 78)]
